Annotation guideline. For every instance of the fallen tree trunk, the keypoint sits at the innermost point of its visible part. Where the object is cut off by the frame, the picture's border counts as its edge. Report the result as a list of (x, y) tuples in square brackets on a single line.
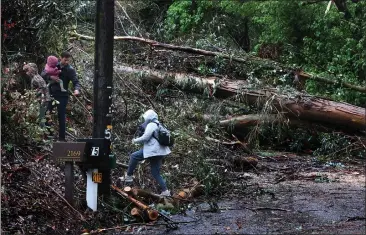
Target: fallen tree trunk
[(168, 46), (249, 120), (296, 106), (285, 69)]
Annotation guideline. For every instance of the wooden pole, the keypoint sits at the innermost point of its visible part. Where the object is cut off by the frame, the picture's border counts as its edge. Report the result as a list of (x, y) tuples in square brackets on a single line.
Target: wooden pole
[(103, 82), (69, 182)]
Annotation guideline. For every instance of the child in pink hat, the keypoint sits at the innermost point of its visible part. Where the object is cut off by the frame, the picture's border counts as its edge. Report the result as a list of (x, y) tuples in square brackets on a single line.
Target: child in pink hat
[(52, 70)]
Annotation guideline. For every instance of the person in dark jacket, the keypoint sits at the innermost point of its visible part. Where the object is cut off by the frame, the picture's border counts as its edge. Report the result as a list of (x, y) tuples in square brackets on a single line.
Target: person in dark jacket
[(67, 74)]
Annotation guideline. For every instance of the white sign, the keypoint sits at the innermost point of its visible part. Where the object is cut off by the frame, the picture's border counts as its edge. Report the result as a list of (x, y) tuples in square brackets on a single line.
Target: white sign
[(107, 134), (91, 190), (95, 151)]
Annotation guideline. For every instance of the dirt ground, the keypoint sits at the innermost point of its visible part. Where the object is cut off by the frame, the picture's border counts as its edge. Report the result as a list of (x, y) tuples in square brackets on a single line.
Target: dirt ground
[(286, 194)]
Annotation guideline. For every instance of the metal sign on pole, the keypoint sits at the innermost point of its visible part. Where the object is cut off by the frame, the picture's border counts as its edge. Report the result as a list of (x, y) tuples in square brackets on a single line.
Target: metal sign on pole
[(69, 153), (103, 87), (91, 190)]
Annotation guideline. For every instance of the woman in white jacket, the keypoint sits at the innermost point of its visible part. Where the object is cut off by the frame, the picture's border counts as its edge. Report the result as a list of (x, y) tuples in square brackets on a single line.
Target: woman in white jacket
[(151, 150)]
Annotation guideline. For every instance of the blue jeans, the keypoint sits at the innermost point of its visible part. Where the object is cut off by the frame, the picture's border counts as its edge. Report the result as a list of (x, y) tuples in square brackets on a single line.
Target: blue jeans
[(61, 112), (155, 164)]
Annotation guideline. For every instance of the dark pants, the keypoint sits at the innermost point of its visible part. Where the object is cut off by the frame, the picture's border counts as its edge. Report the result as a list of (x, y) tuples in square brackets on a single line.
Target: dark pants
[(155, 164), (61, 112), (42, 113)]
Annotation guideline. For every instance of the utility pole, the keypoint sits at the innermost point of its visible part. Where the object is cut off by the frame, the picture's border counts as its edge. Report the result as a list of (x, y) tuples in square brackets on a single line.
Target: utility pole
[(94, 154), (103, 83)]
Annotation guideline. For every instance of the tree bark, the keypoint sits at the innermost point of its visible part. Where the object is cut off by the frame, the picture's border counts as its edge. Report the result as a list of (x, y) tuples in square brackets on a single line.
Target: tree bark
[(189, 193), (296, 106), (249, 120), (136, 192)]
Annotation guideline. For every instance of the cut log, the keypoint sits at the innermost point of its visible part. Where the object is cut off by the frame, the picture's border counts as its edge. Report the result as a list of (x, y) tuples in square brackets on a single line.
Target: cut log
[(147, 195), (151, 213), (189, 193), (296, 106), (136, 212), (183, 194), (128, 190)]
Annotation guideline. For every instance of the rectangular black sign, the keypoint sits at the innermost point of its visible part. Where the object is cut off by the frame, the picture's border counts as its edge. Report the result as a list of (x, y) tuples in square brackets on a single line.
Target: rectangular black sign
[(69, 151)]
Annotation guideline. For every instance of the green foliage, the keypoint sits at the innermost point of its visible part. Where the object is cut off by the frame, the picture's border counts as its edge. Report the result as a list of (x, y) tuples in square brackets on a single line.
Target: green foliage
[(19, 117), (207, 24), (182, 18), (209, 176), (336, 47), (310, 140), (338, 145), (328, 45), (291, 139)]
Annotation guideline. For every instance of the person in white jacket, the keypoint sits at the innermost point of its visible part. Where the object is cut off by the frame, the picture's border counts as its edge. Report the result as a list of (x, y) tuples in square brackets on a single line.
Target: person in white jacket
[(151, 150)]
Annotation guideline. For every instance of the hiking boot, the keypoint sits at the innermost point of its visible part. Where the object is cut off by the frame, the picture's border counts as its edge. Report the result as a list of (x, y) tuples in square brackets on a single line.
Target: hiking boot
[(165, 193)]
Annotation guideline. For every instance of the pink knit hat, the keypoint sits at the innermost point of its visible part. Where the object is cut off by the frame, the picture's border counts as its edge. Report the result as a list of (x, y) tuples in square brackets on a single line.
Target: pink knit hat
[(52, 61)]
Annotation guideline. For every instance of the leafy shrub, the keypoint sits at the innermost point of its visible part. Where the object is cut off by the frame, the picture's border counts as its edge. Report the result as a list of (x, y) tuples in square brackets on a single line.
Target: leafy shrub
[(19, 115), (338, 145)]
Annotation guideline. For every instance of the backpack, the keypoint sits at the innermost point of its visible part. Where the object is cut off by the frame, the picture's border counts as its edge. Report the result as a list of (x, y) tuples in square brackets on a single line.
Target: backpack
[(164, 136)]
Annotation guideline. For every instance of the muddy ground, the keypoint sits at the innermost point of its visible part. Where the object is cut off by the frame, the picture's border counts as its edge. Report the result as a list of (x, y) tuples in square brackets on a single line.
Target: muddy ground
[(286, 194)]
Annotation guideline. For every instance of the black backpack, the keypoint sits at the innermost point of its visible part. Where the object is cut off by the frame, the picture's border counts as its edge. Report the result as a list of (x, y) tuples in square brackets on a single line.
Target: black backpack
[(164, 136)]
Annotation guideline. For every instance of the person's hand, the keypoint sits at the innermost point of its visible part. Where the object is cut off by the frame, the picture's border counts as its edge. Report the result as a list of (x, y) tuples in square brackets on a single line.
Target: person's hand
[(76, 92), (55, 78)]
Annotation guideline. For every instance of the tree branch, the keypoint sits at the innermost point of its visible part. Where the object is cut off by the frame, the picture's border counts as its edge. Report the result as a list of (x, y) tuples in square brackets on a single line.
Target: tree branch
[(229, 57)]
